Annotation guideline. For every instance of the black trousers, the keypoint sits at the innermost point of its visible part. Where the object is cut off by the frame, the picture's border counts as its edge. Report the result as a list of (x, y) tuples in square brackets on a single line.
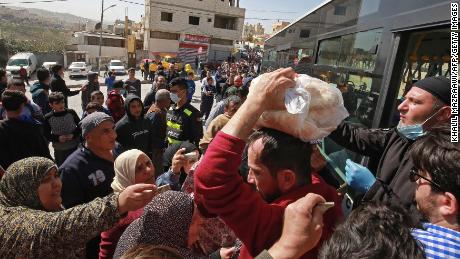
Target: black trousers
[(206, 105)]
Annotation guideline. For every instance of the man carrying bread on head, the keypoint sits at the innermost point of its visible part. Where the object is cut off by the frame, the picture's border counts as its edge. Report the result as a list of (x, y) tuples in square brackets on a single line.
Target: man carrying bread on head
[(279, 170)]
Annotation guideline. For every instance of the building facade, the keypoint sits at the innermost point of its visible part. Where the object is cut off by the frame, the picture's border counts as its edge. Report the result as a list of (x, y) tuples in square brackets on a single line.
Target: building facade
[(278, 26), (84, 46), (204, 28)]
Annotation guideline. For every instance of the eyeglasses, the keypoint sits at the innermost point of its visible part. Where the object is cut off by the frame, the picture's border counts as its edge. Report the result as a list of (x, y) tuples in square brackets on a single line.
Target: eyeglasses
[(414, 176)]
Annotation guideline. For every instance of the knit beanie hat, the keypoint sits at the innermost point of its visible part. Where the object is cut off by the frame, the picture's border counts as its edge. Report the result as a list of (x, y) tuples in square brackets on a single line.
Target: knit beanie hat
[(93, 120), (437, 86)]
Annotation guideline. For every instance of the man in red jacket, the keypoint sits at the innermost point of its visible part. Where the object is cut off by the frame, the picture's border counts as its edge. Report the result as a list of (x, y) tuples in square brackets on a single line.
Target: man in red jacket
[(279, 168)]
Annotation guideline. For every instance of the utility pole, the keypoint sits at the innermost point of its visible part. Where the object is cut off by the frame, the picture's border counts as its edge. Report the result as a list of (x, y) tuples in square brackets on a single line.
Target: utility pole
[(100, 40), (100, 35)]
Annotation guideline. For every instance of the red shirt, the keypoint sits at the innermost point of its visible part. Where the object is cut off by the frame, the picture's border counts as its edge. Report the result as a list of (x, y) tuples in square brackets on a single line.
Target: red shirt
[(22, 72), (220, 190), (115, 104), (109, 238)]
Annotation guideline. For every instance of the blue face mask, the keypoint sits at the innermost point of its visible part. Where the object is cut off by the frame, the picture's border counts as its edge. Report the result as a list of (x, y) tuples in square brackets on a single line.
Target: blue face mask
[(174, 98), (415, 131), (412, 132)]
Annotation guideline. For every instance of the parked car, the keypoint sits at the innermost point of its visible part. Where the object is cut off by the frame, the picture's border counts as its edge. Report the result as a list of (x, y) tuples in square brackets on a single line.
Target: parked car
[(26, 60), (49, 65), (117, 67), (78, 69)]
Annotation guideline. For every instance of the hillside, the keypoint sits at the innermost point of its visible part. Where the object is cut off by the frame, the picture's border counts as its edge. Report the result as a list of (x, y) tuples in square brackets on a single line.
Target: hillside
[(70, 20), (36, 30)]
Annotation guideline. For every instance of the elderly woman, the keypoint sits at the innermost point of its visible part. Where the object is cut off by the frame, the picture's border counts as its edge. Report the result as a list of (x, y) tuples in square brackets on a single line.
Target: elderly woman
[(169, 220), (131, 167), (34, 225)]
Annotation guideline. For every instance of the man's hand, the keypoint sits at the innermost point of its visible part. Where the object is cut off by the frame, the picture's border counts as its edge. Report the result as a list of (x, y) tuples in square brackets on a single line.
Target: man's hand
[(266, 94), (135, 197), (178, 161), (83, 88), (268, 91), (302, 228), (226, 253)]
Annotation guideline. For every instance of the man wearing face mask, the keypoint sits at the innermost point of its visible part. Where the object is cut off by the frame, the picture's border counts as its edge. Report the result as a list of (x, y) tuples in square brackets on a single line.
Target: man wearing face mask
[(183, 120), (426, 104)]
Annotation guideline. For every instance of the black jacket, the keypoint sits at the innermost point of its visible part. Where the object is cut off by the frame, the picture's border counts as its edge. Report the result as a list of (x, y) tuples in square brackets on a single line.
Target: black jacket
[(40, 97), (157, 122), (58, 85), (90, 88), (21, 139), (133, 133), (149, 98), (392, 150), (184, 124)]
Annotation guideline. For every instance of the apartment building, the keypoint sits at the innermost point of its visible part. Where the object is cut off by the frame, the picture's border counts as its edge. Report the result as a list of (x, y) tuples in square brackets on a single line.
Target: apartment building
[(190, 28)]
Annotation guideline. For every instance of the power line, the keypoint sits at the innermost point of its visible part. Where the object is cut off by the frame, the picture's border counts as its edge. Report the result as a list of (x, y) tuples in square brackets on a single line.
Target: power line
[(189, 12), (33, 2), (270, 11), (270, 19)]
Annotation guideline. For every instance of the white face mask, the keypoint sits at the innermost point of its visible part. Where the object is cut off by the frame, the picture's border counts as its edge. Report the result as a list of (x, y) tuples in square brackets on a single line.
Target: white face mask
[(174, 98)]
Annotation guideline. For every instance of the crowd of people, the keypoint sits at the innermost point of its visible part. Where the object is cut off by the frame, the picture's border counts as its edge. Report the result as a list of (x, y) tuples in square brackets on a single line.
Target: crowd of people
[(159, 178)]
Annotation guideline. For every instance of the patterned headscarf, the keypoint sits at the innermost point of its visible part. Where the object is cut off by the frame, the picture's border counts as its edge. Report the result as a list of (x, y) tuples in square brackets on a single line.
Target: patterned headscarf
[(19, 186), (125, 170), (166, 221)]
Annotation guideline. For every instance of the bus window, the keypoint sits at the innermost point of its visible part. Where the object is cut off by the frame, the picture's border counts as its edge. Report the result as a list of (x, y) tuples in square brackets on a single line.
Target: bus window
[(427, 55)]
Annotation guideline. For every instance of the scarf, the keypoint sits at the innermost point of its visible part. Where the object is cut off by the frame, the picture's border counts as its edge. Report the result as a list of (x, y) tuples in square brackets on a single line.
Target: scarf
[(125, 170), (19, 186), (165, 222)]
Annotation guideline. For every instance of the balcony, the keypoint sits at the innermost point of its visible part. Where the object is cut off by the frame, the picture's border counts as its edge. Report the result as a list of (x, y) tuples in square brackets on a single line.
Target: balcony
[(225, 22)]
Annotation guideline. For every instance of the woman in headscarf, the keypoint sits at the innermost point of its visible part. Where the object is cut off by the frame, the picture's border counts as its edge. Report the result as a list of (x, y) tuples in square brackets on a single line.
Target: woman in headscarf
[(169, 220), (131, 167), (214, 234), (33, 222)]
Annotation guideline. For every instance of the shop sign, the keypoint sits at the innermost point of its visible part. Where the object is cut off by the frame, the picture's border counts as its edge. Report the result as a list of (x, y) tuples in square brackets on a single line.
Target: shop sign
[(197, 38)]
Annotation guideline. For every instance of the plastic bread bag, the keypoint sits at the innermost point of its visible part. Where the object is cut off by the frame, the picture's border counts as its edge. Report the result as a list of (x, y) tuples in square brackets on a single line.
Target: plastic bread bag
[(313, 110)]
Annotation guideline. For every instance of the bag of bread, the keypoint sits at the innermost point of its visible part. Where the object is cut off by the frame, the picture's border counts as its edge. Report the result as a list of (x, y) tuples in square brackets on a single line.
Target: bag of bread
[(313, 110)]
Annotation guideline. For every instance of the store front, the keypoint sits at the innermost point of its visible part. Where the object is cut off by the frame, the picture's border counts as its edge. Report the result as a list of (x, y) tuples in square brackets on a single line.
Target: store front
[(193, 46)]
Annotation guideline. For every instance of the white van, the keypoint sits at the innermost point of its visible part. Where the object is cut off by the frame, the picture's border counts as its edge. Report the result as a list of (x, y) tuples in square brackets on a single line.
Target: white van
[(27, 60), (117, 67)]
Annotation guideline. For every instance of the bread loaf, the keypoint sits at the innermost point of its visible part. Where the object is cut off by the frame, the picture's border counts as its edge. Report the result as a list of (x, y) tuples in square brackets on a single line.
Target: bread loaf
[(325, 112)]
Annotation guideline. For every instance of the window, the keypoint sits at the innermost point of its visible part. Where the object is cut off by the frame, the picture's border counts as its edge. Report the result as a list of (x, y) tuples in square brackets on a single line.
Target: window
[(108, 42), (209, 19), (166, 17), (340, 10), (225, 22), (164, 35), (357, 50), (304, 33), (221, 41), (194, 20)]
